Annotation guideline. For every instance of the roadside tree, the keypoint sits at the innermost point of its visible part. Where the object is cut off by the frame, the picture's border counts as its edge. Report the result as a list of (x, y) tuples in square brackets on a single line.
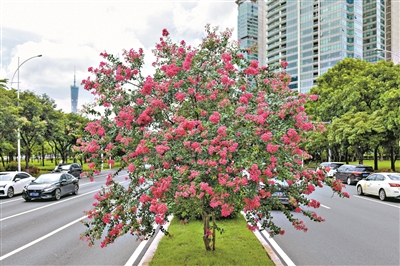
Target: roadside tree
[(189, 131)]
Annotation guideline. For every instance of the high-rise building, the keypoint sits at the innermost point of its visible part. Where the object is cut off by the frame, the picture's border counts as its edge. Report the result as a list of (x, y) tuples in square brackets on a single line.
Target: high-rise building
[(248, 28), (74, 96), (392, 12), (313, 35)]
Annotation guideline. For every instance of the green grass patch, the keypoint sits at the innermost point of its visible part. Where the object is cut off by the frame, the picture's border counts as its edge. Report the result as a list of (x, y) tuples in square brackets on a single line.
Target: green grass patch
[(237, 245)]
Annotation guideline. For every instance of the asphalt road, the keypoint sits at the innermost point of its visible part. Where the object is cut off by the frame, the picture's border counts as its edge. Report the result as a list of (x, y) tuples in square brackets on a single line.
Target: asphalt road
[(361, 230), (48, 232)]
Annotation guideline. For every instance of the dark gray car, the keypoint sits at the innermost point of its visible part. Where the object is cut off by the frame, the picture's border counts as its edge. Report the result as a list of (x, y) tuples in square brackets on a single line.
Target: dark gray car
[(74, 169), (51, 186), (352, 173)]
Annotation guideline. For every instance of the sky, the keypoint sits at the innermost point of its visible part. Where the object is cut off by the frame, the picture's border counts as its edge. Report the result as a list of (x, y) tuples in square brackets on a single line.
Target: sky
[(71, 34)]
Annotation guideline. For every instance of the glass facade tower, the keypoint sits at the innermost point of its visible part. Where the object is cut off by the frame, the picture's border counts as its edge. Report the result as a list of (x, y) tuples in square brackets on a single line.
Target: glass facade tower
[(248, 26), (313, 35)]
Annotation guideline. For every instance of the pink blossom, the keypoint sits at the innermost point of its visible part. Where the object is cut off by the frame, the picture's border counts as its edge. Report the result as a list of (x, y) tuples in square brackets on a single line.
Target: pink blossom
[(284, 64), (222, 131), (165, 32), (131, 167), (215, 117), (180, 96), (272, 148)]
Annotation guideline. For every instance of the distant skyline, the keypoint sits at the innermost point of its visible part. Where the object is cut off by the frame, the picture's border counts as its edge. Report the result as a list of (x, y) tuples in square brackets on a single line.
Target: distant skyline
[(71, 34)]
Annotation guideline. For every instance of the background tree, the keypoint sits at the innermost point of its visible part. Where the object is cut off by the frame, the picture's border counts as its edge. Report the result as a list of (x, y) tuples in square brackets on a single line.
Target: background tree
[(66, 133), (8, 124), (189, 131), (35, 113), (352, 90)]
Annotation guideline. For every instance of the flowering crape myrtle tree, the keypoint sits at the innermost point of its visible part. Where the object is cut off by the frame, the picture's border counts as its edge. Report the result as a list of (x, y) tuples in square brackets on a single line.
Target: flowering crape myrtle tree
[(189, 132)]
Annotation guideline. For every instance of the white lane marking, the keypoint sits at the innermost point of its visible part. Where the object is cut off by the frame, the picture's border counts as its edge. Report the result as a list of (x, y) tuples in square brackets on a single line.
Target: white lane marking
[(58, 202), (384, 203), (40, 239), (277, 248), (325, 206), (275, 245), (148, 256), (11, 200), (15, 199)]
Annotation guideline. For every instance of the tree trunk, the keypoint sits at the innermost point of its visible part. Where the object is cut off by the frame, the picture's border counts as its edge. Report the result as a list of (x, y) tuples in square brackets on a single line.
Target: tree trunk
[(376, 157), (206, 230), (42, 154), (27, 157), (392, 159)]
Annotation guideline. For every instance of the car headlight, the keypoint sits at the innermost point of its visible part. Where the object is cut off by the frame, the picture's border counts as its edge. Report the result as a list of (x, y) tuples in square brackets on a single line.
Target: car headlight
[(49, 188), (2, 186)]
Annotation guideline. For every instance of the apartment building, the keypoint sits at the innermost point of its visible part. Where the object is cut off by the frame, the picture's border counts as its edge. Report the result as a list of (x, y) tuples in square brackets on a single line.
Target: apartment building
[(313, 35)]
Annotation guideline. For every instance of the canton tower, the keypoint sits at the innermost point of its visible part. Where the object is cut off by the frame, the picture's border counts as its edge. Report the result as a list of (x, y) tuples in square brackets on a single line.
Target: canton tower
[(74, 96)]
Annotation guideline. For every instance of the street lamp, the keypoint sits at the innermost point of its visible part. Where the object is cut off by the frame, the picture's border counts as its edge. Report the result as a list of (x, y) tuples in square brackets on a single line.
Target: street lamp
[(19, 136), (386, 51)]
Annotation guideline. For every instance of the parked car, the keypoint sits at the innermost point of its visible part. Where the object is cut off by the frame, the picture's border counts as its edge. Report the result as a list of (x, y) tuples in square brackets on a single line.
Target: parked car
[(12, 183), (332, 167), (279, 189), (384, 185), (352, 173), (51, 186), (74, 169)]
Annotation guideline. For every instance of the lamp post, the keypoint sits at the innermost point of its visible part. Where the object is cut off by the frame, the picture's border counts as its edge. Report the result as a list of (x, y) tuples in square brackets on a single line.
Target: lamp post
[(19, 136), (386, 51)]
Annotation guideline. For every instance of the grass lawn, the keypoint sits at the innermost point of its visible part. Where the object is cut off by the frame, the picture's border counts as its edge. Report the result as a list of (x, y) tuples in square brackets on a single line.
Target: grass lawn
[(237, 245)]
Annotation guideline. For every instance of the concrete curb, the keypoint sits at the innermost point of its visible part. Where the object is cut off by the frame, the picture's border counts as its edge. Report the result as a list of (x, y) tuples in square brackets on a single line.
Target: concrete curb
[(148, 256), (271, 254)]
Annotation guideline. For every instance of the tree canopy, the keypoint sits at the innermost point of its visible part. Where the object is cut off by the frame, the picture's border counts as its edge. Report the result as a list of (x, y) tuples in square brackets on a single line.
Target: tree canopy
[(359, 99), (190, 132)]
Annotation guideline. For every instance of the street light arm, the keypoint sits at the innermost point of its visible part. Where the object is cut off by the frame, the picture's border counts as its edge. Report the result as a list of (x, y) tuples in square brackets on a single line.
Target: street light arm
[(21, 65), (386, 51)]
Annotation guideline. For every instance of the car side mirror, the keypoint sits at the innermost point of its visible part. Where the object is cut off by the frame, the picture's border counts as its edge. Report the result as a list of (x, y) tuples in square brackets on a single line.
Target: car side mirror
[(17, 179)]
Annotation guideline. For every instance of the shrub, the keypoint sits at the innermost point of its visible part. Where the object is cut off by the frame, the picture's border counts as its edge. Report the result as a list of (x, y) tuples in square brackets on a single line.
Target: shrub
[(34, 170), (12, 166)]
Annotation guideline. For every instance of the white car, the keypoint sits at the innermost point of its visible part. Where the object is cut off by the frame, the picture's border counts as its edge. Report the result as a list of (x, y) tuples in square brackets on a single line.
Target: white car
[(333, 166), (385, 185), (12, 183)]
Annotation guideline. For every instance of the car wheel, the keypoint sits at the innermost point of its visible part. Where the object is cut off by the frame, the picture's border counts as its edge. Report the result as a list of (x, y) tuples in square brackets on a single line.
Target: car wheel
[(76, 188), (360, 191), (382, 194), (57, 194), (10, 192), (349, 181)]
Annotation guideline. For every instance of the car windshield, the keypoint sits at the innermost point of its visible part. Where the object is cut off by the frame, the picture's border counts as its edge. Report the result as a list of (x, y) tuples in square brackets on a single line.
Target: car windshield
[(65, 167), (5, 177), (335, 166), (363, 169), (394, 176), (47, 179)]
